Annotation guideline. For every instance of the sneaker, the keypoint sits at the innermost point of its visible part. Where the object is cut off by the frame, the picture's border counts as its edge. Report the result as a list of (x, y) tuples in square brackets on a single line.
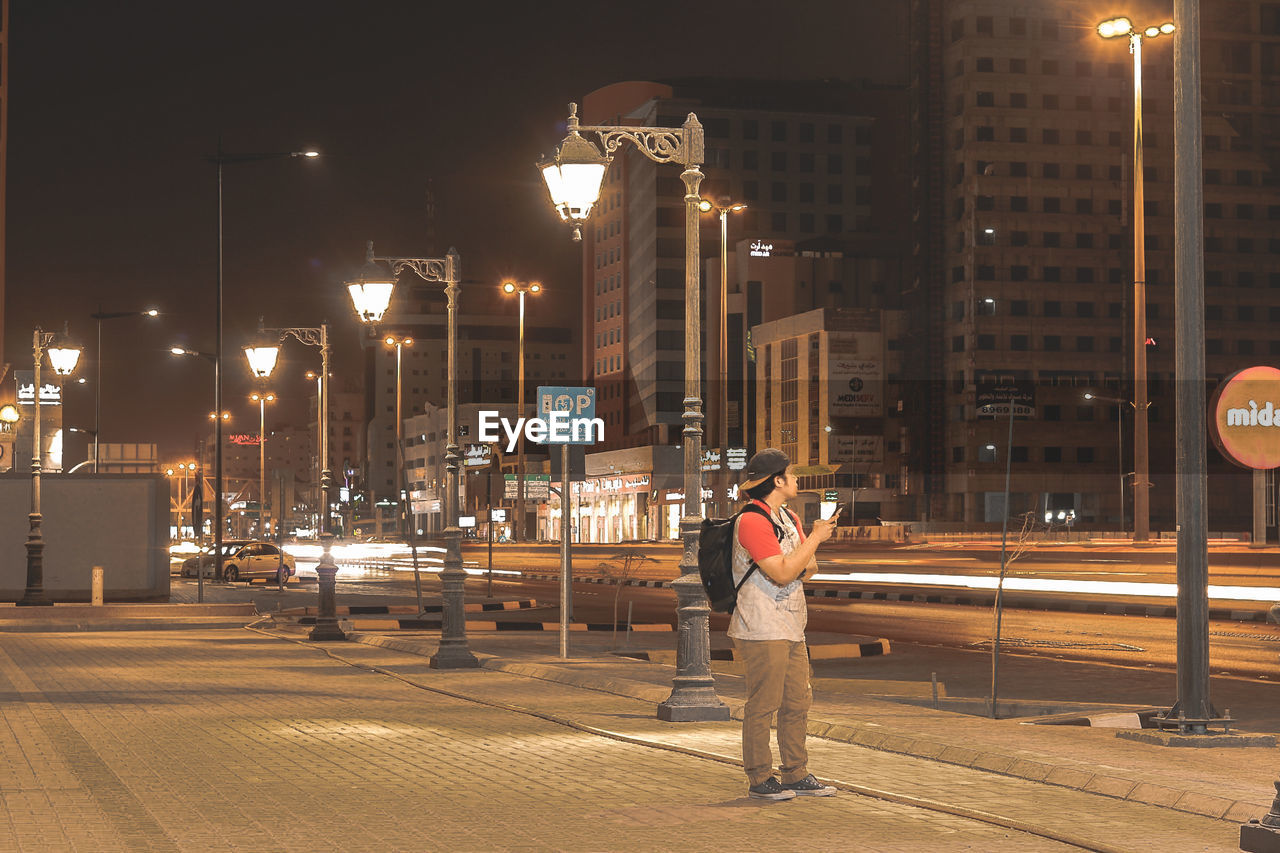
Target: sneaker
[(808, 787), (771, 789)]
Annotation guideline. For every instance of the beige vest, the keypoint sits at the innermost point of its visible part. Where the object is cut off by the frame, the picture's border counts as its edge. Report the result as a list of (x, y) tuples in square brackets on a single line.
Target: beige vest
[(766, 611)]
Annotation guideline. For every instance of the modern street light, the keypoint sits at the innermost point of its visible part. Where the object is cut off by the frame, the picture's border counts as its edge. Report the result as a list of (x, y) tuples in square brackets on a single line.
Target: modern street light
[(723, 206), (311, 374), (521, 287), (263, 355), (573, 177), (217, 497), (1120, 404), (402, 487), (101, 315), (221, 159), (370, 295), (1122, 28), (63, 356), (262, 398)]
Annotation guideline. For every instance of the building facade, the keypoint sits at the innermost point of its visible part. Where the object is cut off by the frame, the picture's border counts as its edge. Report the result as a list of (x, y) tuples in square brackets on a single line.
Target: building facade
[(1022, 134)]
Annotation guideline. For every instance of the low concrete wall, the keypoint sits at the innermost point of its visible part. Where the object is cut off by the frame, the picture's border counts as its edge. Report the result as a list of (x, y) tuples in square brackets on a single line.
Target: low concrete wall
[(117, 521)]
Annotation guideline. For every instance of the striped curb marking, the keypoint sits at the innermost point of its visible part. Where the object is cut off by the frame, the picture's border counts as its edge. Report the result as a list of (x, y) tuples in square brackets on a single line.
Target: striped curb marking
[(828, 651), (473, 625), (374, 609)]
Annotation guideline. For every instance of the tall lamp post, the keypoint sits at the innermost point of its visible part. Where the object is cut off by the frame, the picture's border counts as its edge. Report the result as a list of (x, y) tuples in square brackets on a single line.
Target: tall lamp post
[(217, 495), (370, 295), (1120, 404), (101, 315), (311, 374), (1123, 28), (723, 207), (520, 287), (262, 398), (573, 176), (62, 358), (262, 355), (219, 160), (402, 488)]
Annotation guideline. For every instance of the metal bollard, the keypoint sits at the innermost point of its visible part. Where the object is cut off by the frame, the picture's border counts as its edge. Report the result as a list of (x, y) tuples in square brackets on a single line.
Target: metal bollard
[(95, 585)]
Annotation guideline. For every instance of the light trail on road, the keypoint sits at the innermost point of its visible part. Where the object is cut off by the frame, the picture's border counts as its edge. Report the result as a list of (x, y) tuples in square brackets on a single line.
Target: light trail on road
[(1109, 588)]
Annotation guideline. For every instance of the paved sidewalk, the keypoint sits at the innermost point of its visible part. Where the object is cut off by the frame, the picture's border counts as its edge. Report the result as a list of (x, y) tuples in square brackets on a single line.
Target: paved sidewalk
[(128, 741), (225, 740)]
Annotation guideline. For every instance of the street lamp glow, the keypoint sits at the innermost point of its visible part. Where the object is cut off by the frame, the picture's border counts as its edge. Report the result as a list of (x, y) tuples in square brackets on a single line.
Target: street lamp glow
[(63, 358), (574, 174), (262, 398), (311, 154), (705, 206), (1167, 28), (262, 358), (1115, 28), (371, 290), (151, 312)]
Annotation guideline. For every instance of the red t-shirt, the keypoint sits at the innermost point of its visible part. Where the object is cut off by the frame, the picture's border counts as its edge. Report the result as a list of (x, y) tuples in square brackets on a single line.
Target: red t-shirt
[(757, 536)]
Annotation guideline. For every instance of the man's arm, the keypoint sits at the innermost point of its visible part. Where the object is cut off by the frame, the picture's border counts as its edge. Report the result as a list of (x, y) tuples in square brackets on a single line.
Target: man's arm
[(782, 569)]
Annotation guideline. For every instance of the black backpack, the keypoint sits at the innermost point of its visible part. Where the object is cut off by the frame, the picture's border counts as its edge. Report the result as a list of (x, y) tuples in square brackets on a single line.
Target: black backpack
[(715, 559)]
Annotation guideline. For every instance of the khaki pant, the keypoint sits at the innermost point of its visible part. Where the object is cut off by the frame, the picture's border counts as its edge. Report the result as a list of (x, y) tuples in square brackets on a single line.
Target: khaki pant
[(777, 682)]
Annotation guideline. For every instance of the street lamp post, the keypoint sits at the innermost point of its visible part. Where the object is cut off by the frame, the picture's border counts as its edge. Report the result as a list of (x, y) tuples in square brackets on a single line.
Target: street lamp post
[(520, 287), (262, 355), (402, 487), (1119, 28), (62, 359), (220, 159), (101, 315), (311, 374), (371, 294), (573, 178), (262, 398), (1119, 443), (217, 495), (723, 207)]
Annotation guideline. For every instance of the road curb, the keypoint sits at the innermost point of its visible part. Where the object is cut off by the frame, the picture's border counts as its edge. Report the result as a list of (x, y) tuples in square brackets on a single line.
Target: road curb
[(877, 736), (825, 651), (410, 609), (390, 624)]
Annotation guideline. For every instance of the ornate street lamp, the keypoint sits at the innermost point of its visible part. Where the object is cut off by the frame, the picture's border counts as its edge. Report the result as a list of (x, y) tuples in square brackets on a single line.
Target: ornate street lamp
[(63, 356), (262, 355), (521, 287), (573, 176), (370, 299)]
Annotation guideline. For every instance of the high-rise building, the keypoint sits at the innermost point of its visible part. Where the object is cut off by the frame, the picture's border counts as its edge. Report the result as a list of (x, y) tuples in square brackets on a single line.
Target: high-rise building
[(809, 159), (1022, 134)]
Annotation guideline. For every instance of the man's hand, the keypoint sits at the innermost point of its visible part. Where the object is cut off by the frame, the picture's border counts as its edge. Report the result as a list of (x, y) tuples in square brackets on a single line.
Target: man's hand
[(822, 529)]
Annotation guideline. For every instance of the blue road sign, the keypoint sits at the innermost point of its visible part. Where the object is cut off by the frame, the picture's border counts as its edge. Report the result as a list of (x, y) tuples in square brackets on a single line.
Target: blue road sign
[(570, 413)]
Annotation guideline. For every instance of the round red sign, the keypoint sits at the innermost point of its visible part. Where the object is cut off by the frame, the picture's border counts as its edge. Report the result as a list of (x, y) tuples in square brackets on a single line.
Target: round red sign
[(1246, 417)]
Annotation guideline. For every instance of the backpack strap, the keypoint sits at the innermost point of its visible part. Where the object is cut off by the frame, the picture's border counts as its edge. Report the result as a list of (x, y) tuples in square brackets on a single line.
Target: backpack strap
[(777, 531)]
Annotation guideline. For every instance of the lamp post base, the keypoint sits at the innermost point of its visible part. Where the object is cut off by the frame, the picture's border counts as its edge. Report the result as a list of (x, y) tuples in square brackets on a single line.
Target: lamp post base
[(1263, 836), (453, 652), (693, 692), (34, 595), (326, 628)]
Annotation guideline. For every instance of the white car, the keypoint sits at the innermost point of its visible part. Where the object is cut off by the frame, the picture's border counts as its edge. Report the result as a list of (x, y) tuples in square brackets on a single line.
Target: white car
[(244, 560)]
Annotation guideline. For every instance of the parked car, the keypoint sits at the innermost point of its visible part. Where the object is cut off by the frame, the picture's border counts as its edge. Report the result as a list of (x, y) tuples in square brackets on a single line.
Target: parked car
[(242, 559)]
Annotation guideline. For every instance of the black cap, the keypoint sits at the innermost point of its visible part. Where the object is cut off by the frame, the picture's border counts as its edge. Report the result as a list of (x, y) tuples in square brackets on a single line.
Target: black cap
[(767, 463)]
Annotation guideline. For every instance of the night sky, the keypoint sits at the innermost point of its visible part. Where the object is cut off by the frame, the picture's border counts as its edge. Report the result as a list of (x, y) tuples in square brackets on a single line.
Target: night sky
[(114, 107)]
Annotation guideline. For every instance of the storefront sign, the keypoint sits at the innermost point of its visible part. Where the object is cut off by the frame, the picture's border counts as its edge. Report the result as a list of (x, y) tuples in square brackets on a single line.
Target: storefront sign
[(761, 249), (711, 459), (245, 439), (1246, 418), (537, 487), (50, 393), (736, 458), (624, 484), (476, 455)]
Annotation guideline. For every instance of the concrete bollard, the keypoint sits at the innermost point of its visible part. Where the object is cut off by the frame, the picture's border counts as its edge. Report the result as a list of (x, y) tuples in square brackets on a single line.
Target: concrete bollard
[(96, 586)]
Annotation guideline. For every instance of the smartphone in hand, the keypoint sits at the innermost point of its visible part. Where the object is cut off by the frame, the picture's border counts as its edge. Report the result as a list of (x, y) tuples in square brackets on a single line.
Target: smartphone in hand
[(836, 514)]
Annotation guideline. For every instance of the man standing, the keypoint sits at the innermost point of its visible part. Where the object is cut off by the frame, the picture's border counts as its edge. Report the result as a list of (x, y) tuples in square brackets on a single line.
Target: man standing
[(767, 628)]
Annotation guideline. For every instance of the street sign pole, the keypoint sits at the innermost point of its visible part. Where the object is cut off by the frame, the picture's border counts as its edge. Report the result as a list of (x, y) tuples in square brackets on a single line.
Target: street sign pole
[(566, 561)]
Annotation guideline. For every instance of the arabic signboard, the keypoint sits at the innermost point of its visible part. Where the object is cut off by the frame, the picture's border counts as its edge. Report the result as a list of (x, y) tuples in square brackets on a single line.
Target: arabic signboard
[(50, 393), (855, 373), (1246, 418), (711, 459), (579, 404), (857, 449), (736, 458), (994, 399), (537, 487), (476, 455), (621, 485)]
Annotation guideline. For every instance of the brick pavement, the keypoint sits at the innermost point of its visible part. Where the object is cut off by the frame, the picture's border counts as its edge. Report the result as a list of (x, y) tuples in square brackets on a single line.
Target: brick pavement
[(225, 740)]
